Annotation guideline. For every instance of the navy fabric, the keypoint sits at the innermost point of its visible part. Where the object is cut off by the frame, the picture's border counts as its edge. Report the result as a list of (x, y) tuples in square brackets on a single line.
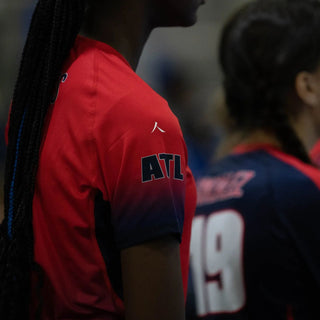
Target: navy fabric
[(105, 238), (280, 207)]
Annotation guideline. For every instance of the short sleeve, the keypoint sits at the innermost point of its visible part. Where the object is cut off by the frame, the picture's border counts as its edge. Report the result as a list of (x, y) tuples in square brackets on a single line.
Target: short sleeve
[(142, 160)]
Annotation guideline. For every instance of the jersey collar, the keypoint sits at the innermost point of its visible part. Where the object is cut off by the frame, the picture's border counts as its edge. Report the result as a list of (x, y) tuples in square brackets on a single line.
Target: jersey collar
[(103, 47), (251, 147)]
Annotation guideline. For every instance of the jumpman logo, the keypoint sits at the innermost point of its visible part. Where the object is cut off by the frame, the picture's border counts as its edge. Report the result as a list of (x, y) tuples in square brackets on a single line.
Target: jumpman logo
[(156, 127)]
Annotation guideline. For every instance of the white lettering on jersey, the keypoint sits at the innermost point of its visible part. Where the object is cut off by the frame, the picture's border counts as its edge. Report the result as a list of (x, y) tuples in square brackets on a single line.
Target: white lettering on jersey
[(220, 188), (216, 262), (156, 127)]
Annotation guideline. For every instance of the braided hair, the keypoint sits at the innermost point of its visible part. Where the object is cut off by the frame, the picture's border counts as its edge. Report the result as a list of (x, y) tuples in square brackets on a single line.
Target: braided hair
[(262, 49), (53, 29)]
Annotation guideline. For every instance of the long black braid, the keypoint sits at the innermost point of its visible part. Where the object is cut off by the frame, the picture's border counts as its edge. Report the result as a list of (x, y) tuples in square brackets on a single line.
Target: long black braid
[(52, 33), (262, 49)]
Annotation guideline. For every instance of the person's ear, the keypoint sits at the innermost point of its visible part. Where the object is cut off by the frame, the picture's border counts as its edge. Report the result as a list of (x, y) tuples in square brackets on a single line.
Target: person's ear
[(307, 88)]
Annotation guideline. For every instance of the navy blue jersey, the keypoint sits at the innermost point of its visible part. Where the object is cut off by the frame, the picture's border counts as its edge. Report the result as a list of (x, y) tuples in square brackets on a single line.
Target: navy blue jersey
[(255, 248)]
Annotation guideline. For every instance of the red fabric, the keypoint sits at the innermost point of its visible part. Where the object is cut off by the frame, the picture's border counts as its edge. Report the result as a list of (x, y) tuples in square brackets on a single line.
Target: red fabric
[(289, 313), (243, 148), (315, 154), (96, 134)]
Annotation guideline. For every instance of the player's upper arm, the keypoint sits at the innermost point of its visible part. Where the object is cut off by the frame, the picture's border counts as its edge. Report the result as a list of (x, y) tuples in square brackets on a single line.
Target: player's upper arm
[(142, 172), (152, 281)]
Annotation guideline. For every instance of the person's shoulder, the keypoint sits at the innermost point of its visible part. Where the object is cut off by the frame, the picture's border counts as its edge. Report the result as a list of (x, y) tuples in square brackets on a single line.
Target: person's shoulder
[(128, 107), (115, 79), (296, 185), (143, 119), (97, 67), (282, 170), (282, 179), (129, 101), (122, 87), (106, 75), (293, 172), (112, 91)]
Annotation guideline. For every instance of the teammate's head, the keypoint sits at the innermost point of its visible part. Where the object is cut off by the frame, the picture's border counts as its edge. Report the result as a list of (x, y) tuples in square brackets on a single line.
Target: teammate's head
[(267, 52), (53, 29)]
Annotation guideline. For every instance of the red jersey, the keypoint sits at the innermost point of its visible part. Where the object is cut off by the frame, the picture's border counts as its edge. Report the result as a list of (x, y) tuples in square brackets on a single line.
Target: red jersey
[(112, 174), (315, 154)]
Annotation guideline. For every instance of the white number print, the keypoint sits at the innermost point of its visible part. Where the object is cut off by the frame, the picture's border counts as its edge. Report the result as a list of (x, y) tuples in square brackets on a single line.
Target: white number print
[(216, 262)]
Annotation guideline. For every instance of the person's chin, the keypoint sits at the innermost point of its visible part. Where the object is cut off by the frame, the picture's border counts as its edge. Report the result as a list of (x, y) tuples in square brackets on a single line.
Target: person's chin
[(181, 21), (189, 21)]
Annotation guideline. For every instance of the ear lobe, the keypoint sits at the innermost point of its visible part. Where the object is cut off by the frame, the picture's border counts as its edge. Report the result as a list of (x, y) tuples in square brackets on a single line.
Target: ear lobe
[(306, 88)]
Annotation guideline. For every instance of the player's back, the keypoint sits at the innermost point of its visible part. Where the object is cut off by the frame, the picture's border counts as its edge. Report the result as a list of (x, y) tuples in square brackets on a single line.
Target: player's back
[(254, 248)]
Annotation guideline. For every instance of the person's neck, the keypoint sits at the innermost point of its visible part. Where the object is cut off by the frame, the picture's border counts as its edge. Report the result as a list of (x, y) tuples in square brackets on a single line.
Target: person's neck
[(125, 30), (238, 137), (258, 136)]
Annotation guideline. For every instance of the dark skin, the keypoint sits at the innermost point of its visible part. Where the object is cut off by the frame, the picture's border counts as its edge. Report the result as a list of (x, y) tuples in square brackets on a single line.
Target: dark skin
[(151, 272), (152, 281), (126, 24)]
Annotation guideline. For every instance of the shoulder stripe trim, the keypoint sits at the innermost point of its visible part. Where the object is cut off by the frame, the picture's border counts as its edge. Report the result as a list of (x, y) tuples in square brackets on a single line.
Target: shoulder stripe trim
[(311, 172)]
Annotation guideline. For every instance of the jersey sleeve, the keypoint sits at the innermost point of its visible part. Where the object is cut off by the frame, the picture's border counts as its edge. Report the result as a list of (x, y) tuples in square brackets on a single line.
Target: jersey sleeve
[(142, 160)]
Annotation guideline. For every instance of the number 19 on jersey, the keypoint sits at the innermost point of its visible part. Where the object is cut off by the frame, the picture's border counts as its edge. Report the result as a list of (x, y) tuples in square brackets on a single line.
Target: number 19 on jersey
[(216, 262)]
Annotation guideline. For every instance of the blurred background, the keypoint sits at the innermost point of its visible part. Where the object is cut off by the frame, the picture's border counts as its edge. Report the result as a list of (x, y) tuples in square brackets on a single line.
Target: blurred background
[(180, 64)]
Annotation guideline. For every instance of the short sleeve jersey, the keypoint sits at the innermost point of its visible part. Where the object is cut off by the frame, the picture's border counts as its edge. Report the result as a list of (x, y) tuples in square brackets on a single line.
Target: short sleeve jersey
[(255, 238), (112, 174)]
